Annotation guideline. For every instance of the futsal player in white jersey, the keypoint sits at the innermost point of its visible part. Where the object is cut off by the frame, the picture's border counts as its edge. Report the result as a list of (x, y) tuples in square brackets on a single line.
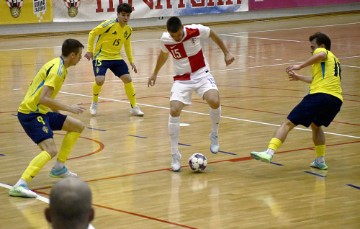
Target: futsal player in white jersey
[(192, 73)]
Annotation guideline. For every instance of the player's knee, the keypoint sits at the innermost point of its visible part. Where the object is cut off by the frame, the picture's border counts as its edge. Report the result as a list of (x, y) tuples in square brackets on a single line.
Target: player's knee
[(76, 126), (214, 103), (174, 112), (52, 151), (100, 80), (80, 126), (288, 124), (126, 78)]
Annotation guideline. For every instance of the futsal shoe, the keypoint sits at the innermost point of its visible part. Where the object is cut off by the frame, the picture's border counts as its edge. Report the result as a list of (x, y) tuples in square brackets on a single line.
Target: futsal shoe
[(214, 146), (318, 165), (61, 173), (175, 162), (22, 191), (93, 108), (135, 111), (262, 156)]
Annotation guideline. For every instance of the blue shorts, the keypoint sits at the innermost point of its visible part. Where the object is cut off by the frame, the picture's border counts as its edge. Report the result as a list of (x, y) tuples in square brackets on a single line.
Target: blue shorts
[(118, 67), (319, 108), (39, 127)]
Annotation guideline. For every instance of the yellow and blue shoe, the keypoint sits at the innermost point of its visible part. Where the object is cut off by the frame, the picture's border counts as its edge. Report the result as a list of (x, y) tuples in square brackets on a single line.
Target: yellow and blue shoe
[(262, 156), (62, 173), (318, 165)]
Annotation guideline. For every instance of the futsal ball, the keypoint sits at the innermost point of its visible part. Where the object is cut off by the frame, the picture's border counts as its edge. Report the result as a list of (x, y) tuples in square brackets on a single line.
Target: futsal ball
[(197, 162)]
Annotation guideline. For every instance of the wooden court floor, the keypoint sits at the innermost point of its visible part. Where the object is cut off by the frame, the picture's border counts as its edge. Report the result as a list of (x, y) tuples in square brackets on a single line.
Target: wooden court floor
[(126, 160)]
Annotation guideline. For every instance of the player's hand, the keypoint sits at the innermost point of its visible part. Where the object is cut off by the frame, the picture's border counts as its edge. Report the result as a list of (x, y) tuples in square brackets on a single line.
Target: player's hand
[(292, 75), (229, 58), (152, 80), (293, 67), (88, 55), (77, 109), (134, 67)]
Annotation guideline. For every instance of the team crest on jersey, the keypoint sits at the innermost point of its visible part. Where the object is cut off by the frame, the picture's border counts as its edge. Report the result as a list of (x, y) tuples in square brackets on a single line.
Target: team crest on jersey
[(125, 34), (45, 129), (193, 40)]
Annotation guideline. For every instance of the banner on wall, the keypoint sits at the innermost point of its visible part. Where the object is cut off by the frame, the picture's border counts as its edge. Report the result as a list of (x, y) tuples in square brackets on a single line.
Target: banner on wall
[(99, 10), (279, 4), (25, 11)]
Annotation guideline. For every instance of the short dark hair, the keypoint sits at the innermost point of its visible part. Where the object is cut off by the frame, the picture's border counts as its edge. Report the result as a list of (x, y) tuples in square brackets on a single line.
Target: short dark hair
[(173, 24), (321, 38), (70, 203), (124, 7), (69, 46)]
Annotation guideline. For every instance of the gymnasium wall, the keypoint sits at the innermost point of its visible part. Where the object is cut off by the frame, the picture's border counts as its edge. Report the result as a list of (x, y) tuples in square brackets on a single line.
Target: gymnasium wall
[(50, 16)]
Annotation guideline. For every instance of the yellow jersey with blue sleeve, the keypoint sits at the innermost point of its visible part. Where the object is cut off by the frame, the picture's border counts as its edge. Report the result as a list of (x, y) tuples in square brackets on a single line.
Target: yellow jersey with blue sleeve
[(326, 75), (52, 74), (111, 37)]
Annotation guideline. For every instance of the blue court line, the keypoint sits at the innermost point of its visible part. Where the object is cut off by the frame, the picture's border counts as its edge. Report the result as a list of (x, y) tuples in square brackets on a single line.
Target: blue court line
[(315, 174), (137, 136), (278, 164), (353, 186), (227, 152), (95, 128)]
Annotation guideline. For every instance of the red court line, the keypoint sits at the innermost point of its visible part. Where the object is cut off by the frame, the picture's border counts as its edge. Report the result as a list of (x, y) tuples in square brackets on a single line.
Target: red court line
[(101, 145), (127, 212), (144, 216)]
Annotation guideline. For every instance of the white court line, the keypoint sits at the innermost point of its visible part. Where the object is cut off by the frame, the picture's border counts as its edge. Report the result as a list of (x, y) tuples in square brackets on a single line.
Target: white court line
[(297, 28), (221, 34), (41, 198), (200, 113), (262, 38), (143, 77)]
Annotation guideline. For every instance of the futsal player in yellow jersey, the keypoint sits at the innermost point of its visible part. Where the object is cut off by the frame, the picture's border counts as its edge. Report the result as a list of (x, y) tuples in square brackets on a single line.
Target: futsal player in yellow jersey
[(319, 107), (39, 115), (112, 35)]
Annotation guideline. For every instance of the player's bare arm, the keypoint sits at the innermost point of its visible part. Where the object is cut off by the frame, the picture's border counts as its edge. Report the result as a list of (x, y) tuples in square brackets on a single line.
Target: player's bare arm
[(312, 60), (133, 66), (293, 76), (53, 104), (229, 58), (162, 58), (88, 55)]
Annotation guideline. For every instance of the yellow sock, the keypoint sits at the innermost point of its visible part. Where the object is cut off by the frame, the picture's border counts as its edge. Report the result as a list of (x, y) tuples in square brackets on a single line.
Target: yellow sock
[(130, 92), (320, 150), (36, 165), (96, 92), (67, 145), (275, 144)]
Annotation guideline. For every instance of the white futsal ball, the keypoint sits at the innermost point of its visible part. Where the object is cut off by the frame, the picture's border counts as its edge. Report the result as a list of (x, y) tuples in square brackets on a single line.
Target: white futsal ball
[(197, 162)]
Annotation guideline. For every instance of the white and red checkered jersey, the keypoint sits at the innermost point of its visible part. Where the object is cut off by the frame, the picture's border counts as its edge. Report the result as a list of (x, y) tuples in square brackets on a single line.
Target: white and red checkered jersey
[(187, 54)]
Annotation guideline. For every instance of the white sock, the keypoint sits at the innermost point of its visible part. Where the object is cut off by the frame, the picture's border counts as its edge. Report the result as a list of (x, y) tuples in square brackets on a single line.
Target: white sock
[(20, 182), (270, 151), (174, 132), (320, 159), (58, 165), (215, 115)]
